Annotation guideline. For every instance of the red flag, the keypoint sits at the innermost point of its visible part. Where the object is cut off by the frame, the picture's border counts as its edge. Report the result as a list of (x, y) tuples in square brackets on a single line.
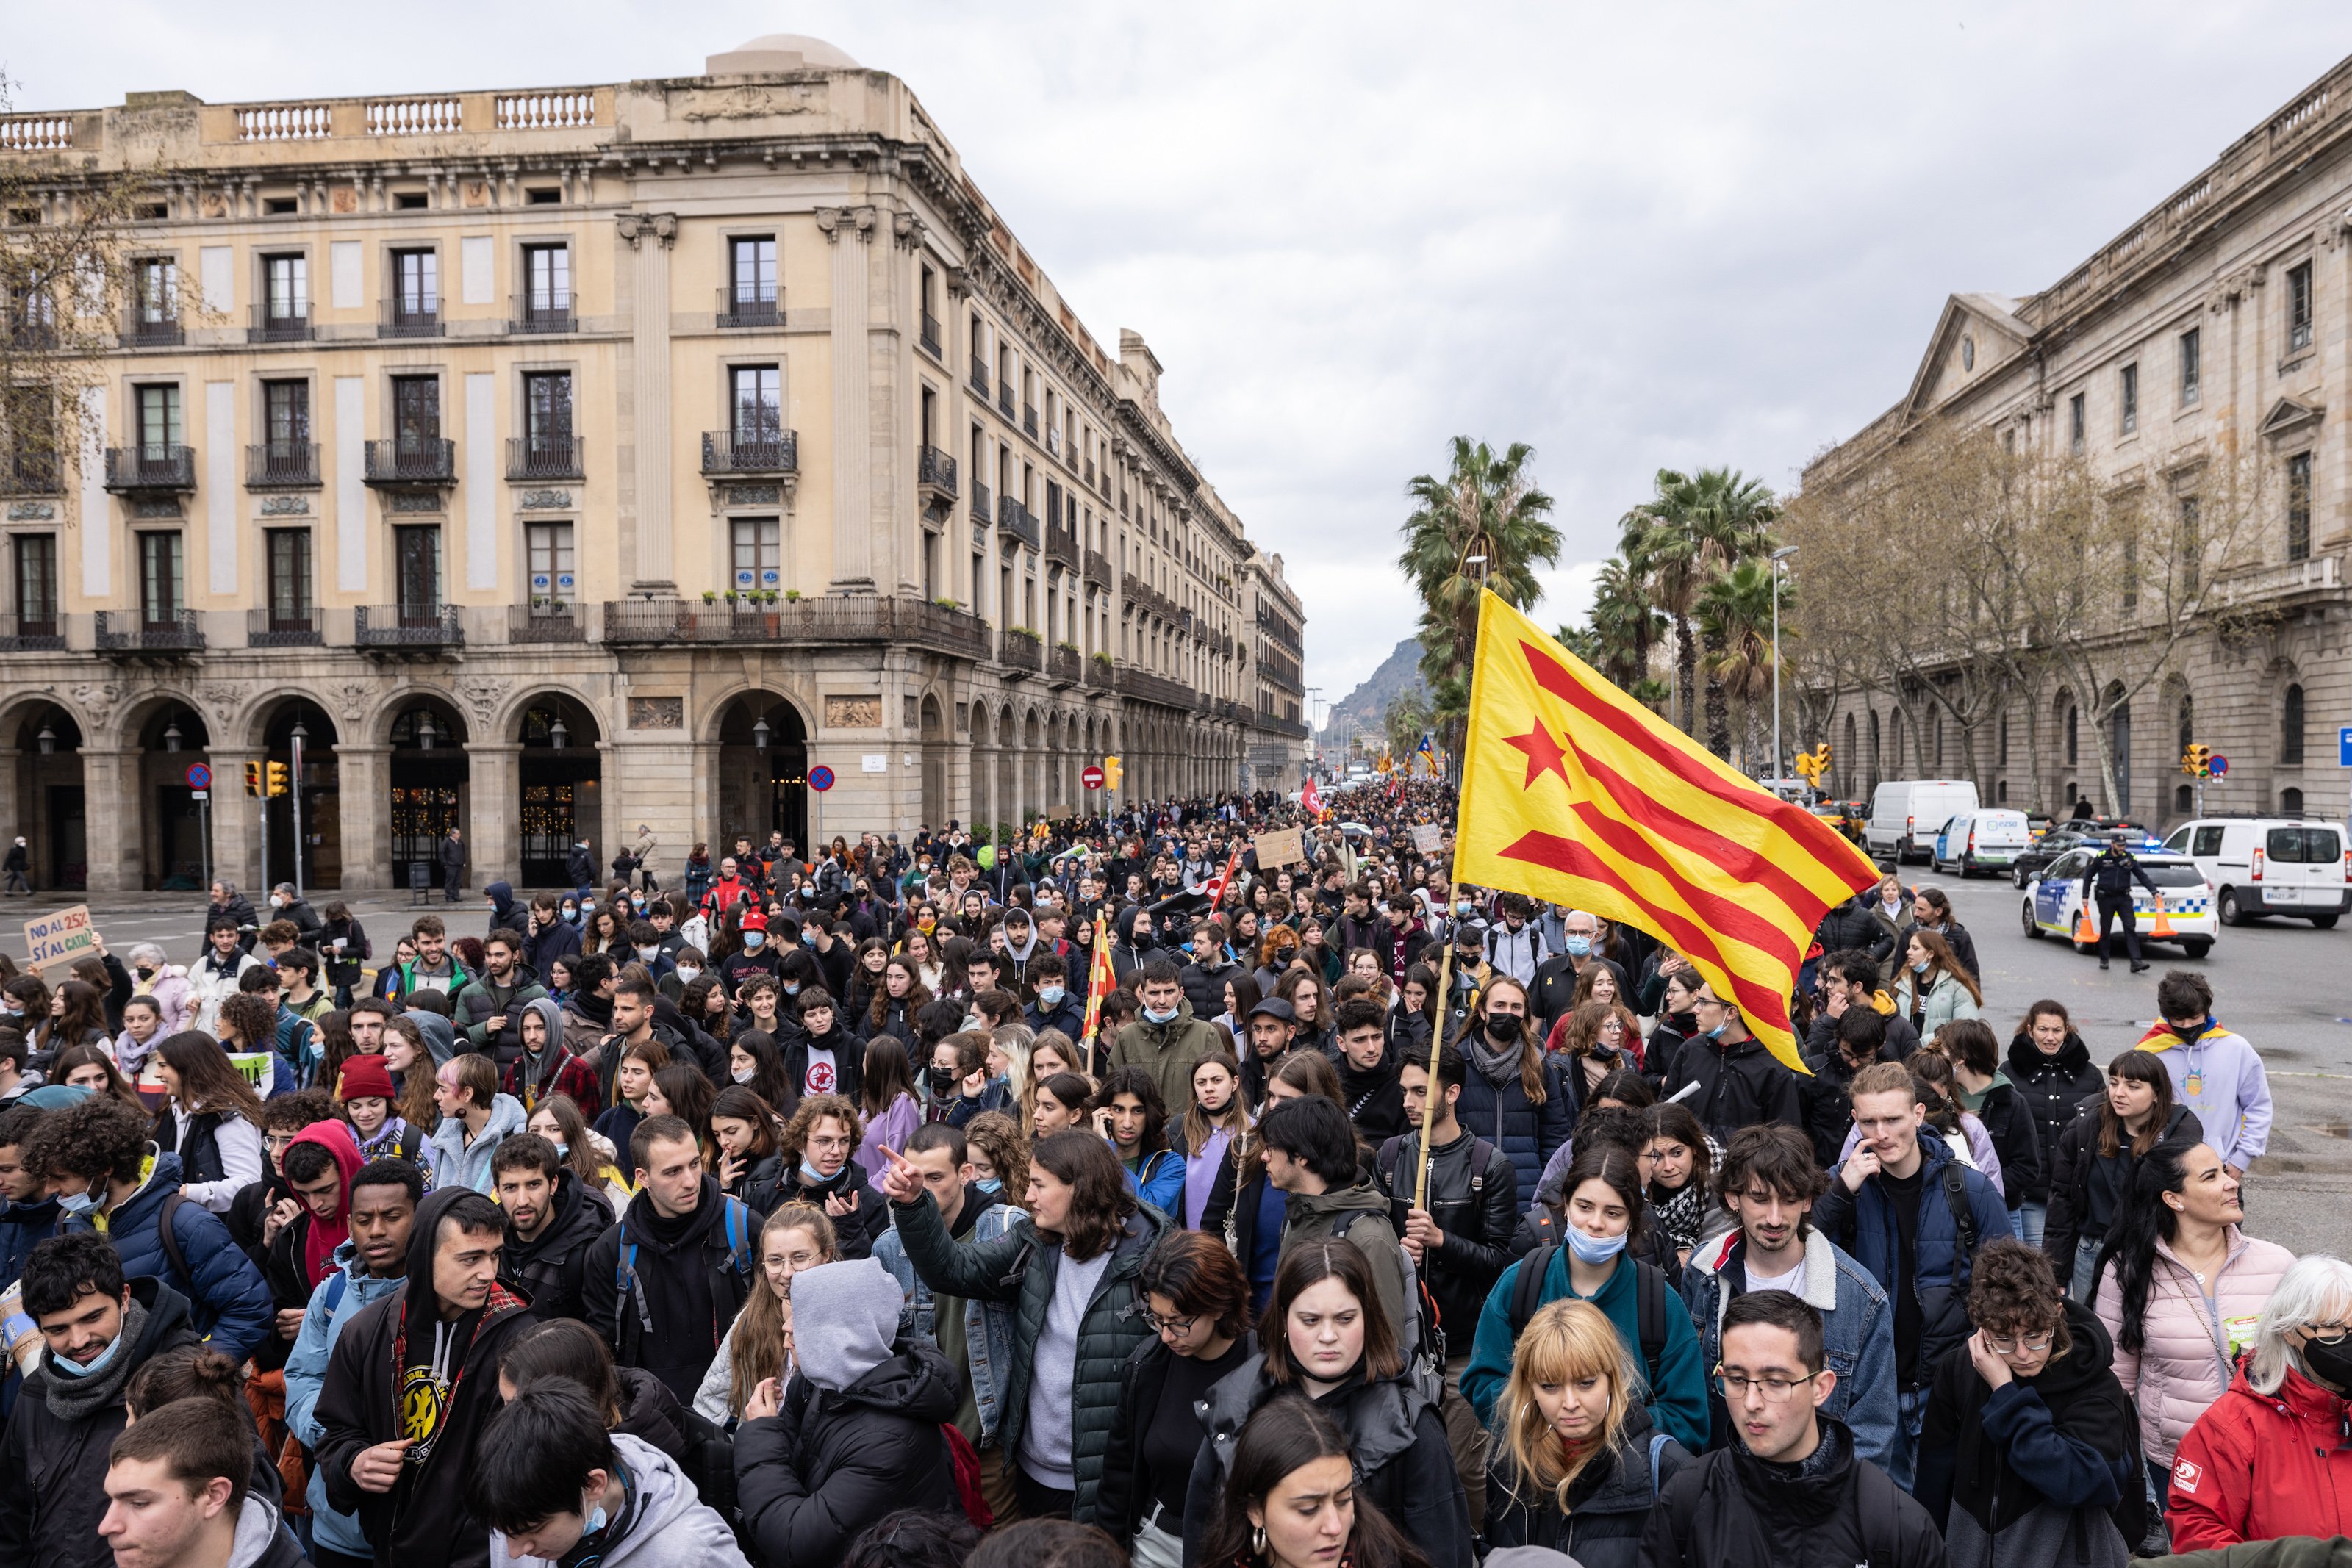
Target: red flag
[(1309, 801), (1214, 888)]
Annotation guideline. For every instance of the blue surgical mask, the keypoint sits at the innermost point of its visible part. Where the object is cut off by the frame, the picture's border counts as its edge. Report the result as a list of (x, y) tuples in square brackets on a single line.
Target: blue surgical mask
[(82, 1369), (791, 988), (1717, 1032), (1050, 996), (1159, 1015), (562, 1149), (1593, 1248), (1577, 946), (595, 1521), (755, 940), (991, 1186), (76, 1202), (1920, 967), (810, 1173)]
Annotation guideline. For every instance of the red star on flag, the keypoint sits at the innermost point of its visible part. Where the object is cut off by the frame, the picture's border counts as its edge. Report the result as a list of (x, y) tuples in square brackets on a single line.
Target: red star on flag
[(1544, 753)]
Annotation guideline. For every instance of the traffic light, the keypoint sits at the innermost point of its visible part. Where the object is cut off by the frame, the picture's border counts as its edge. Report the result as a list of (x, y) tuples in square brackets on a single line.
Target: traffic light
[(1111, 772), (2197, 761), (279, 779), (1812, 765), (253, 780)]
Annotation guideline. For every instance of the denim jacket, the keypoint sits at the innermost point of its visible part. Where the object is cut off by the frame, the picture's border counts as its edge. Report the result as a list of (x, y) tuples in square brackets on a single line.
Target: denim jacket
[(1857, 1332), (987, 1326)]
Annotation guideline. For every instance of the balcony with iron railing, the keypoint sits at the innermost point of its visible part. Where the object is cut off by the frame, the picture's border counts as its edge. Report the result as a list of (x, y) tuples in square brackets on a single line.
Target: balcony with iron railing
[(411, 460), (1029, 420), (275, 321), (1065, 665), (1017, 523), (546, 456), (1099, 672), (1020, 653), (133, 470), (930, 336), (751, 452), (407, 628), (749, 309), (936, 471), (282, 465), (979, 376), (1097, 569), (982, 509), (557, 622), (404, 317), (32, 632), (284, 626), (155, 328), (812, 622), (1005, 404), (32, 329), (1148, 688), (1062, 544), (30, 474), (1294, 728), (135, 633), (543, 314)]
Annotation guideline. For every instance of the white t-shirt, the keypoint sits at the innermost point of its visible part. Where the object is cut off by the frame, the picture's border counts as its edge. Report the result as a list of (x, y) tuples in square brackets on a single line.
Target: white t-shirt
[(1792, 1281), (824, 1075)]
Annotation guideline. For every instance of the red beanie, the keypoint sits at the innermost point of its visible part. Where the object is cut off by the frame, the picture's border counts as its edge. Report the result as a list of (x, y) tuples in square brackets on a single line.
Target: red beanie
[(367, 1078)]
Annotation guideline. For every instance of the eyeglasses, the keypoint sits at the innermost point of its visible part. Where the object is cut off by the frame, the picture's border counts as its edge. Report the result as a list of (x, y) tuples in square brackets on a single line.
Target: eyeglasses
[(1159, 1324), (2001, 1346), (1734, 1386)]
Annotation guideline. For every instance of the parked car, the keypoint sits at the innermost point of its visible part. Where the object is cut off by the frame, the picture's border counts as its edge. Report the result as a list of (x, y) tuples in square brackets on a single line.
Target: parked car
[(2030, 861), (2270, 865), (1905, 813), (1985, 840), (2054, 899)]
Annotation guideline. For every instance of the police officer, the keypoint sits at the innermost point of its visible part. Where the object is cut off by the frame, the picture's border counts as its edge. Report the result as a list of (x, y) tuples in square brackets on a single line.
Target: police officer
[(2110, 875)]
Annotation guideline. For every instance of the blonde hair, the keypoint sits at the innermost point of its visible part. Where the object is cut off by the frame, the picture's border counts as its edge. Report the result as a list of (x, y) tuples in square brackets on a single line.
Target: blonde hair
[(755, 1345), (1564, 1342)]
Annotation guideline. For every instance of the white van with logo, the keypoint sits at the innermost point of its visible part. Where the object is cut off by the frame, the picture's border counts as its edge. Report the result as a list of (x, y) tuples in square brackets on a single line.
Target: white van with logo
[(1981, 840), (2270, 865), (1906, 814)]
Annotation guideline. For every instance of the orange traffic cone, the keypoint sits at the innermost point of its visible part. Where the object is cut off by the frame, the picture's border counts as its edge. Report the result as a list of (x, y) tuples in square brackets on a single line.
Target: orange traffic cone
[(2162, 929), (2084, 932)]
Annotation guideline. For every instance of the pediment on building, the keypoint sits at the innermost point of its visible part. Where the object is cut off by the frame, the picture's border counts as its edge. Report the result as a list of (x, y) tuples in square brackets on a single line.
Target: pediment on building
[(1976, 333), (2289, 415)]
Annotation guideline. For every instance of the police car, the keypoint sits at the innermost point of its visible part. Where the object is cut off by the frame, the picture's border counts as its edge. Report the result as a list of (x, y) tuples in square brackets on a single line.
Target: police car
[(2054, 898)]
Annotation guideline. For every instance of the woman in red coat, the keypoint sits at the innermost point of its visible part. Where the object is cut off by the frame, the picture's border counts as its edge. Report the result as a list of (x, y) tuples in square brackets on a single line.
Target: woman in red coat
[(2269, 1458)]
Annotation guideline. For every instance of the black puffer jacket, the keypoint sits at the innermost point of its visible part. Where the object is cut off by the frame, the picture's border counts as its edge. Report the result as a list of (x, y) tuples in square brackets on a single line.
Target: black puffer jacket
[(1739, 1086), (813, 1475), (1730, 1510), (1608, 1504), (1403, 1462), (1473, 1199), (2008, 1123), (2085, 1186), (2055, 1089), (1019, 1268)]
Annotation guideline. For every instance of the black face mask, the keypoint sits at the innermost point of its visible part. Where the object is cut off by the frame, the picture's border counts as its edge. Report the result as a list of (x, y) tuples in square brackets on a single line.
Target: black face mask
[(1502, 1028), (942, 1080), (2331, 1363)]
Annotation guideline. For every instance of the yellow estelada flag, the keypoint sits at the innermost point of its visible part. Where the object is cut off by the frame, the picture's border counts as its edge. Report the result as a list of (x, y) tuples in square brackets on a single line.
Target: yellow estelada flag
[(1573, 792)]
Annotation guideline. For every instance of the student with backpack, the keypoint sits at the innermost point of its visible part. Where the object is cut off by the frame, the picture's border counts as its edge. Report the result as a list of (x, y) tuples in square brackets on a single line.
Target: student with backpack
[(1606, 1212), (666, 1281), (1579, 1466), (1909, 1212)]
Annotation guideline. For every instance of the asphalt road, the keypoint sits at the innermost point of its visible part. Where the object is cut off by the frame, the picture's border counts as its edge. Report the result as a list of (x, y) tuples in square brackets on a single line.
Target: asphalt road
[(2284, 985)]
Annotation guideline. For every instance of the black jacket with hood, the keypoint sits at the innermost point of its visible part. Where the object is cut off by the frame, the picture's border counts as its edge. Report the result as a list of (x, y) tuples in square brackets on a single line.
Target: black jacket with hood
[(1739, 1085), (681, 1296), (547, 1269), (1731, 1510), (1607, 1503), (2055, 1089), (829, 1464), (856, 1233), (424, 1518)]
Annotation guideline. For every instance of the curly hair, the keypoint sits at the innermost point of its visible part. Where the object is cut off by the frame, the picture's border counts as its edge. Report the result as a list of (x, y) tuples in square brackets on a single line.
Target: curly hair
[(794, 1140), (2016, 1291), (93, 1138)]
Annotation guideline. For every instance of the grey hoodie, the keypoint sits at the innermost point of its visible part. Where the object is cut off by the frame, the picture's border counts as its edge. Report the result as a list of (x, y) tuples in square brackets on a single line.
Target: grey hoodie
[(669, 1527), (457, 1163), (844, 1316), (260, 1542)]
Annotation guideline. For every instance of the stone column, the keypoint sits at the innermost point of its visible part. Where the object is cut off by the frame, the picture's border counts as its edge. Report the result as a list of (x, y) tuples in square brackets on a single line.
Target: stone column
[(494, 815), (649, 236), (851, 454), (364, 783), (110, 817), (13, 818), (237, 820)]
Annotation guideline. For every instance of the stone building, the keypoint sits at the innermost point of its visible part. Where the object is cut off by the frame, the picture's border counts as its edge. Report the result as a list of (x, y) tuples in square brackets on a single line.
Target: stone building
[(556, 462), (2219, 323)]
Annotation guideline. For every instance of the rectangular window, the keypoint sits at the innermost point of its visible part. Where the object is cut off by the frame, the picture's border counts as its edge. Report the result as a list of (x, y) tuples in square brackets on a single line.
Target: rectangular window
[(756, 410), (289, 579), (757, 548), (751, 272), (415, 410), (2127, 398), (547, 288), (546, 549), (286, 423), (2191, 370), (2298, 308), (155, 292), (2131, 573), (2192, 547), (416, 569), (2074, 417), (415, 290), (2298, 506), (286, 287), (28, 422), (547, 410), (163, 589), (33, 563), (159, 422)]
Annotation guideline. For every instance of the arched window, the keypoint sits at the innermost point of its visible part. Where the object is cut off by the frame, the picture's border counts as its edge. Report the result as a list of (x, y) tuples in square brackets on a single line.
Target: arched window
[(2187, 724), (2291, 727), (2291, 802), (2073, 736), (2184, 800)]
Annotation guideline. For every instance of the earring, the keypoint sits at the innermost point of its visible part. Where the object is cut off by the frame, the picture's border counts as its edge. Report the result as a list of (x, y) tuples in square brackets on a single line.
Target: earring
[(1257, 1541)]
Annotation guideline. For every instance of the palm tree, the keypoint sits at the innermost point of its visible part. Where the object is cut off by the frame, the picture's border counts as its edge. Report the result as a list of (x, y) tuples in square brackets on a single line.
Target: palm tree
[(1623, 623), (1695, 528), (1734, 613), (1486, 506), (1662, 553)]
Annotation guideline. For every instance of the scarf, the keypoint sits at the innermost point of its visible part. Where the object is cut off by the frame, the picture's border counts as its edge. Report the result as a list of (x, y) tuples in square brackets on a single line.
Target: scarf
[(77, 1398), (2161, 1036), (1497, 1067)]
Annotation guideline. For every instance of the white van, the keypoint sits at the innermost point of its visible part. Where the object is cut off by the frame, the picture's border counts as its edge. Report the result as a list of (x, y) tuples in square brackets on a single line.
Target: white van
[(1981, 840), (2270, 865), (1905, 814)]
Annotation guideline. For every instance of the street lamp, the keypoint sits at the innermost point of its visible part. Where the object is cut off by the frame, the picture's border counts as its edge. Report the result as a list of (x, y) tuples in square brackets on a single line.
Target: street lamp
[(1783, 553), (172, 737), (46, 740), (759, 732), (558, 736), (425, 733)]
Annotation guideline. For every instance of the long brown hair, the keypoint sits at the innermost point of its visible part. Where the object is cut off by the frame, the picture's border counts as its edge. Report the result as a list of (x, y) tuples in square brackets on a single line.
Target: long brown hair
[(417, 1105), (2142, 1067), (1305, 1266), (1199, 1126), (918, 994), (1534, 1075), (1941, 960), (755, 1346), (888, 1074), (87, 1055), (1099, 1199), (208, 1082), (579, 1140)]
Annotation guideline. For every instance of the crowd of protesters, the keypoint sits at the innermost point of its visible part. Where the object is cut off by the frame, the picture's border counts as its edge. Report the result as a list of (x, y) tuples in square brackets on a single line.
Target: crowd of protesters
[(822, 1211)]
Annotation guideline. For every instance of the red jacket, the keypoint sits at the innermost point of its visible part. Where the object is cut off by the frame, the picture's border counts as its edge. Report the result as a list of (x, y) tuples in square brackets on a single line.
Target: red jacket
[(724, 895), (2256, 1467)]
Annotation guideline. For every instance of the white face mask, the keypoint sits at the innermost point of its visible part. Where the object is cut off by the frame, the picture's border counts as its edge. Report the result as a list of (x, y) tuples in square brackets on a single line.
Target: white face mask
[(686, 972), (745, 1075)]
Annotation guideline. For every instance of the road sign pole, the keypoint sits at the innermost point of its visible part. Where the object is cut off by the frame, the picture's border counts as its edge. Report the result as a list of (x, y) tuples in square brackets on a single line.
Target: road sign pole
[(295, 787), (204, 837)]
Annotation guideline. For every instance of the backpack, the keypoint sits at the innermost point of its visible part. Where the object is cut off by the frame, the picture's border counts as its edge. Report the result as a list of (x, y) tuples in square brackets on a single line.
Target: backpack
[(1876, 1502), (626, 1288), (1420, 1334), (1649, 1305)]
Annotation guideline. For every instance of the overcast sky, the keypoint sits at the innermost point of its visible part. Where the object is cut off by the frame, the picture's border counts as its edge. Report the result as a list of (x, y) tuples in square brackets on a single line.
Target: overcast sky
[(1633, 237)]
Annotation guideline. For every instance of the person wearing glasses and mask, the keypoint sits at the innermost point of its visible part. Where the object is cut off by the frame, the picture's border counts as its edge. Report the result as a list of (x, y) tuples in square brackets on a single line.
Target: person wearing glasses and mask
[(1790, 1490)]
